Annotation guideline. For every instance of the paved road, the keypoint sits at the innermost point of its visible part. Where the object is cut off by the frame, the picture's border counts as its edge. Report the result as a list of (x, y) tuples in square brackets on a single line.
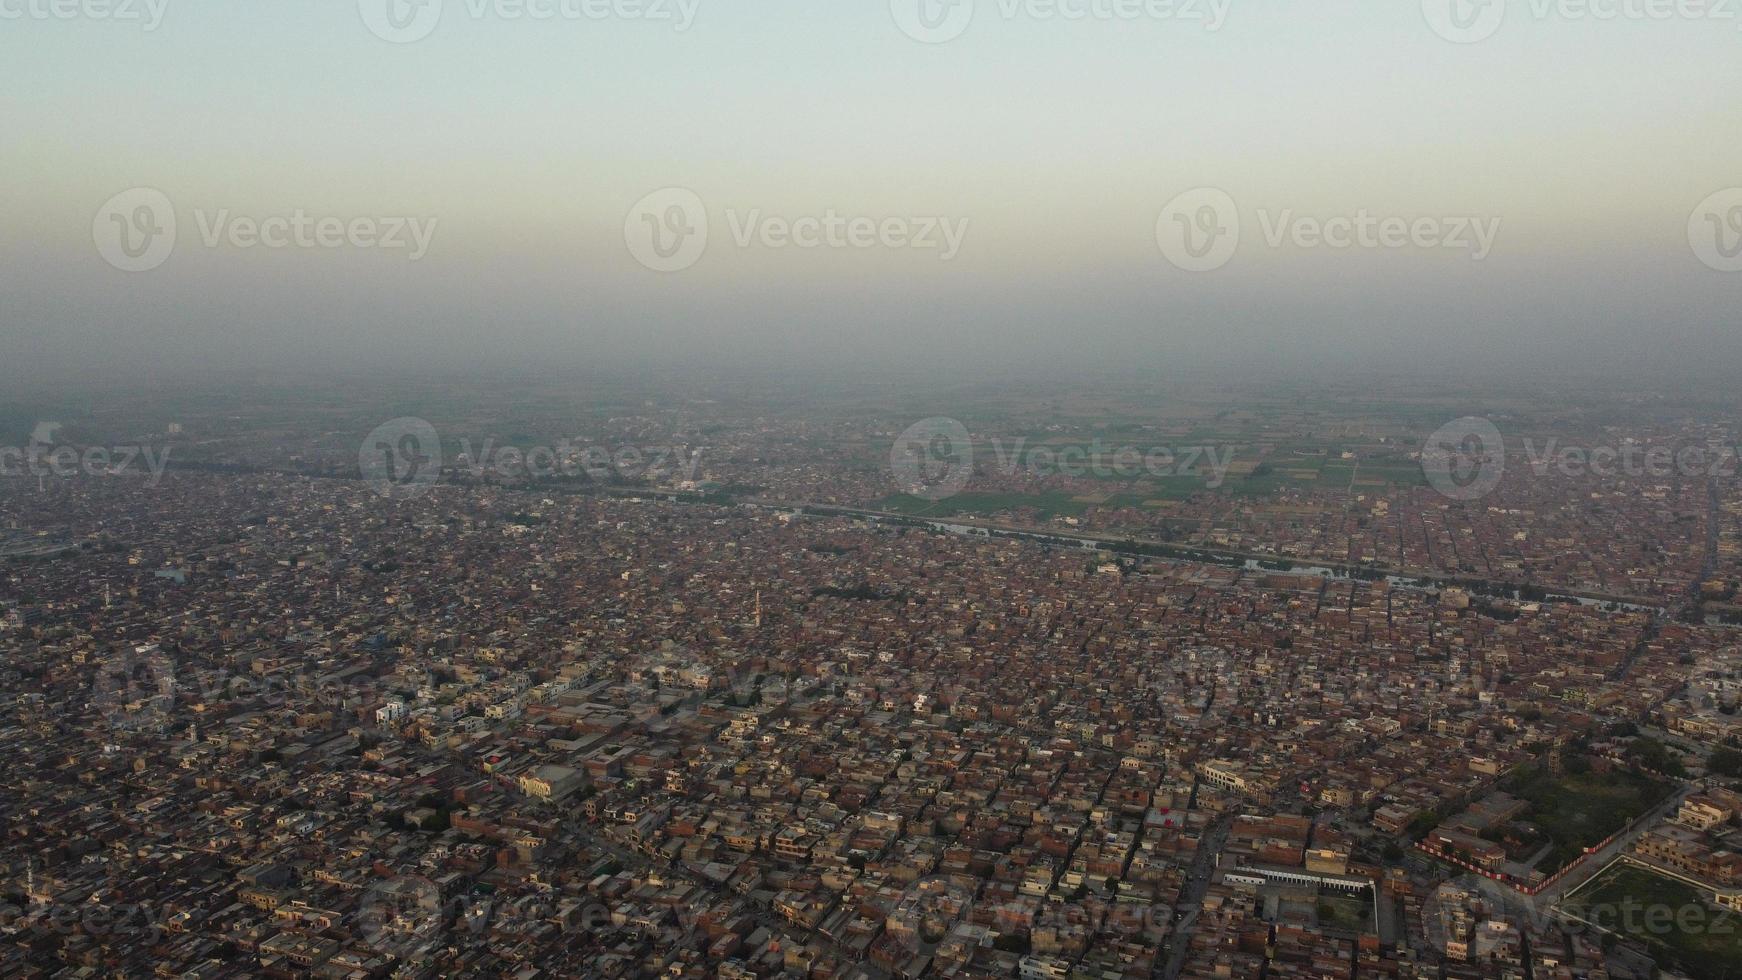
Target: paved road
[(1192, 896)]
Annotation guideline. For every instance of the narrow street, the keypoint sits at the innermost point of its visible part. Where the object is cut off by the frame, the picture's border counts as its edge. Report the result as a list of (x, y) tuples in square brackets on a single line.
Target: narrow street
[(1192, 896)]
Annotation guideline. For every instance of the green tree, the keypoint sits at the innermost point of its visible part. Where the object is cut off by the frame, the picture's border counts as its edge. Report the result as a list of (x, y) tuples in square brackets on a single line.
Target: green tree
[(1652, 754), (1726, 762)]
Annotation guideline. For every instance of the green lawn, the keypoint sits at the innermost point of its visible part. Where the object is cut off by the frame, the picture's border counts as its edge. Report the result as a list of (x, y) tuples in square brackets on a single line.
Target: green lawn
[(1667, 916), (1350, 913)]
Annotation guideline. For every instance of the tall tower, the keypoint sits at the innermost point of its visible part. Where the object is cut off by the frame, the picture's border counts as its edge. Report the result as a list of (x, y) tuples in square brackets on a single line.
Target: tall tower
[(758, 608)]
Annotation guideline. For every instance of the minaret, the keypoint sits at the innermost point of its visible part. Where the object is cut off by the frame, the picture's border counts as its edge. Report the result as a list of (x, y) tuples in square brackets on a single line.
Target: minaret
[(758, 608)]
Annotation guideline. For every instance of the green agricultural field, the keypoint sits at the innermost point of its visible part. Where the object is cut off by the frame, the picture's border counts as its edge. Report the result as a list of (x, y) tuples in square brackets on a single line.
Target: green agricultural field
[(1336, 475), (1272, 478), (1159, 492), (1391, 474), (1666, 915), (1180, 487)]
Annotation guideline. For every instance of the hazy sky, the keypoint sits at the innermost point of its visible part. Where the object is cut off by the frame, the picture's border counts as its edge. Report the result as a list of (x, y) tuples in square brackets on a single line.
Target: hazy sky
[(1050, 146)]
